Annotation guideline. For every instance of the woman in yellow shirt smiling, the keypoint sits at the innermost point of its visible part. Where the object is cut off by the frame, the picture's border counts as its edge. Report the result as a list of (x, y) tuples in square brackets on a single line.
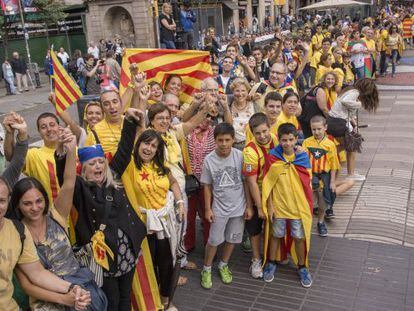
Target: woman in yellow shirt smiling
[(148, 182)]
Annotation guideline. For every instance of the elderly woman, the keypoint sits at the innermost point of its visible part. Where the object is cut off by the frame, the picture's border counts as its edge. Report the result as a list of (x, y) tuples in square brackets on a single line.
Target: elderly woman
[(241, 110), (343, 117), (105, 215)]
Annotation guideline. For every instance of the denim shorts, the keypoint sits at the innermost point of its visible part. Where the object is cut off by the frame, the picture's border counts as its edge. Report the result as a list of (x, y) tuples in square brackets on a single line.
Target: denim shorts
[(296, 228)]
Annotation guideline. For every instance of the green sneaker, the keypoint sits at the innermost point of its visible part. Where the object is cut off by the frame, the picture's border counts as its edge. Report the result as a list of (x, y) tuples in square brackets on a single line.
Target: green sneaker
[(226, 275), (206, 281)]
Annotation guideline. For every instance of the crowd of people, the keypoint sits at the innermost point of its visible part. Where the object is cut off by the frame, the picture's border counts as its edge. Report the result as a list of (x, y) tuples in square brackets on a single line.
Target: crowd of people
[(255, 155)]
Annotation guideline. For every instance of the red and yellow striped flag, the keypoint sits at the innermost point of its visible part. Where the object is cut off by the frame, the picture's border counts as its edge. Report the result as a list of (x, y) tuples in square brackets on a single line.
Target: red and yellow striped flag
[(66, 90), (192, 66)]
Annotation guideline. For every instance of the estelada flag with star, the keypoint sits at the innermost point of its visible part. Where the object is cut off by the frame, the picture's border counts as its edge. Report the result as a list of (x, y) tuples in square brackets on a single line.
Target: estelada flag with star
[(299, 176), (192, 66), (66, 90)]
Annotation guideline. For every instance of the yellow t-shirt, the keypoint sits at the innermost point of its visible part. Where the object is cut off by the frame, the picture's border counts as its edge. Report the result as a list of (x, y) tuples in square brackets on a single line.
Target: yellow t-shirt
[(282, 118), (174, 155), (144, 187), (282, 91), (109, 135), (9, 257), (322, 154), (40, 164), (316, 58), (254, 155), (317, 41), (284, 199), (320, 72), (349, 75)]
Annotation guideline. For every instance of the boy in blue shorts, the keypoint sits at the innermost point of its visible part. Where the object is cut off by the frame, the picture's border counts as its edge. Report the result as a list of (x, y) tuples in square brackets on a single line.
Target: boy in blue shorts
[(287, 194), (324, 161)]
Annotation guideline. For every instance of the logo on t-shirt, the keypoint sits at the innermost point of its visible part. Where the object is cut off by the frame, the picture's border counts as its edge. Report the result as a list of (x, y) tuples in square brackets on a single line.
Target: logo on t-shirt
[(226, 180)]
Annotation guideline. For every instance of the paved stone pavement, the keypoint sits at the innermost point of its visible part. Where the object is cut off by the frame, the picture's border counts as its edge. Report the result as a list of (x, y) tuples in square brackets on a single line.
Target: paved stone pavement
[(351, 270)]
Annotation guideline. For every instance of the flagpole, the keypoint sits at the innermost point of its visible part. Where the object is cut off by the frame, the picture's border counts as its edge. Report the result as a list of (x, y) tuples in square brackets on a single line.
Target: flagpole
[(53, 71), (25, 32)]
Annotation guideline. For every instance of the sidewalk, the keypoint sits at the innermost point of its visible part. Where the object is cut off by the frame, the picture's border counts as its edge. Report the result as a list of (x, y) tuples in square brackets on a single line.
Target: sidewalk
[(351, 270)]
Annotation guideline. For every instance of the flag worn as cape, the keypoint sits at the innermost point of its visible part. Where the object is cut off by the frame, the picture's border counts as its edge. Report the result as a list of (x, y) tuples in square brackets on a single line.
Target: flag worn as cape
[(192, 66), (300, 180)]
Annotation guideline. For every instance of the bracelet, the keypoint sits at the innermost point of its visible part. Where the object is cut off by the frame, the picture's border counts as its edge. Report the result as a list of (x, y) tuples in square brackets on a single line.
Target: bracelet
[(179, 201), (131, 85), (71, 286)]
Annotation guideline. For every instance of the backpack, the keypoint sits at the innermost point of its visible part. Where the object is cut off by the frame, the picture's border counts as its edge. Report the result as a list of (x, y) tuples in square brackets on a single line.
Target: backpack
[(73, 67), (309, 106), (18, 294)]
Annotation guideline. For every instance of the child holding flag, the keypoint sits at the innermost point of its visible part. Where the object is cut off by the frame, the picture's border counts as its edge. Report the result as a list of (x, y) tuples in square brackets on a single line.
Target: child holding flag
[(287, 203), (323, 157)]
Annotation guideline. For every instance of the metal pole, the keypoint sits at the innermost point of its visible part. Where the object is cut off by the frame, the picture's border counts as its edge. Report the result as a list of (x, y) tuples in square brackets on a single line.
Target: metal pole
[(26, 34)]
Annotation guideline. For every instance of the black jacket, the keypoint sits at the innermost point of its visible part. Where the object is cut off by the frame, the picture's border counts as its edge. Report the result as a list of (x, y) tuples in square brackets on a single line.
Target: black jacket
[(89, 202), (18, 66)]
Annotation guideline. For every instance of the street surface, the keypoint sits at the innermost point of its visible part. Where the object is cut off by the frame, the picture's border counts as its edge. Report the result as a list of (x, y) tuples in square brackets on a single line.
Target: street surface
[(366, 263)]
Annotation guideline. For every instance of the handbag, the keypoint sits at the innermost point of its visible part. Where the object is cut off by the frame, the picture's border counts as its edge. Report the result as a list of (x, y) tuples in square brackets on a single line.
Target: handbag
[(192, 184), (353, 140), (84, 254)]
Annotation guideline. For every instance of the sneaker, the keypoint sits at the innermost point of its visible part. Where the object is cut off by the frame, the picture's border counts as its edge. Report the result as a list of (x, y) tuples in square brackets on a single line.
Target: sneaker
[(305, 277), (226, 275), (269, 272), (356, 177), (322, 229), (256, 269), (206, 281), (329, 213), (246, 245)]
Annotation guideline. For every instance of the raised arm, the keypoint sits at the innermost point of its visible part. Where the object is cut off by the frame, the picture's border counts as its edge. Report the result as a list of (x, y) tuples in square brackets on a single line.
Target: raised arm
[(12, 173), (122, 157), (191, 124), (64, 200), (304, 60), (9, 136), (66, 117)]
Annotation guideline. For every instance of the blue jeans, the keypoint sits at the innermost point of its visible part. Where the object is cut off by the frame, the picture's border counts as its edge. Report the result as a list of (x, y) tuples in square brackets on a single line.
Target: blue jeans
[(393, 58), (328, 196), (169, 44), (360, 72)]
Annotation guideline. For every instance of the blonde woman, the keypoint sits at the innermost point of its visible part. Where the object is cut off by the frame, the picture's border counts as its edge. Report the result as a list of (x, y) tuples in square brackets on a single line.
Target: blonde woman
[(167, 26), (241, 110)]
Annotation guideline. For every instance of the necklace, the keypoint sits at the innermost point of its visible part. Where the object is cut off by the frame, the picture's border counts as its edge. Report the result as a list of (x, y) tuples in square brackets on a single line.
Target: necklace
[(40, 230)]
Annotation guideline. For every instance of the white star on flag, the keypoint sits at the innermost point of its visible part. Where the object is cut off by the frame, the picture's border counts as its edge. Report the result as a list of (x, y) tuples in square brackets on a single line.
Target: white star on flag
[(317, 154)]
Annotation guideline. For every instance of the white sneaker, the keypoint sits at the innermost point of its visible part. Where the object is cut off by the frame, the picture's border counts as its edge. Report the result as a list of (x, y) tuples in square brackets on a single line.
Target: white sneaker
[(356, 177), (256, 269)]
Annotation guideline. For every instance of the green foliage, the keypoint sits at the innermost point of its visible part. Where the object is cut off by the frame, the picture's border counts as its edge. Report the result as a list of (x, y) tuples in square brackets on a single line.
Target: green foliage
[(51, 11)]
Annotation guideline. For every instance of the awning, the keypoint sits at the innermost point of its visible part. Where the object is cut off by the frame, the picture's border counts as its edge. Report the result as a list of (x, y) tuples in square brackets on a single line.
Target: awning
[(332, 4), (231, 5)]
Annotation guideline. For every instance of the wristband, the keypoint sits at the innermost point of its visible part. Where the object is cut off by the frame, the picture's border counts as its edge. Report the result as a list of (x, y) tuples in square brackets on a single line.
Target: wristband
[(179, 201), (131, 85)]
